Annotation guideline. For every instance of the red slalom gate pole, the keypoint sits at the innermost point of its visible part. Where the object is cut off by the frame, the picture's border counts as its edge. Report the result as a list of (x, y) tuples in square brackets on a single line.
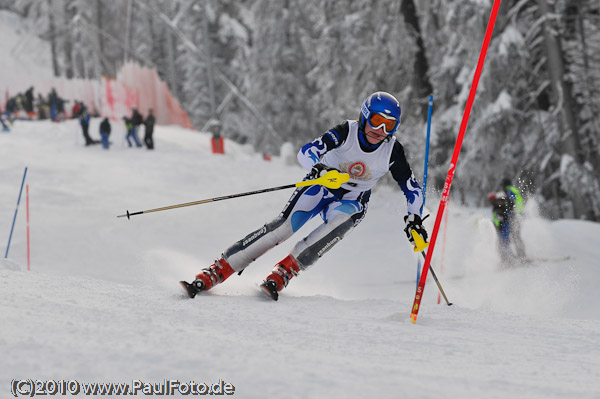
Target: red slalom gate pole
[(27, 196), (457, 147)]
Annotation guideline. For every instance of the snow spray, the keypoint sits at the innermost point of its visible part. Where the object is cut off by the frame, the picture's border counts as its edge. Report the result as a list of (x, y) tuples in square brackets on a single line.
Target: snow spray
[(457, 147)]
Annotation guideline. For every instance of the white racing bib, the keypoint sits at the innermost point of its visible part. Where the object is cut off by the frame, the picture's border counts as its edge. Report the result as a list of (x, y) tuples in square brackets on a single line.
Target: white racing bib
[(364, 168)]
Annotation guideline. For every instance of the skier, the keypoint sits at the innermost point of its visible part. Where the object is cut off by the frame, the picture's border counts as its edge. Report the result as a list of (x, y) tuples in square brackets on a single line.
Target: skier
[(516, 216), (502, 210), (365, 149)]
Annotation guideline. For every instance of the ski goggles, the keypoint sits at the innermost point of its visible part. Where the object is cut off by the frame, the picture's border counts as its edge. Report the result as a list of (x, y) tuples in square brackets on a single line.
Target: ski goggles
[(377, 120)]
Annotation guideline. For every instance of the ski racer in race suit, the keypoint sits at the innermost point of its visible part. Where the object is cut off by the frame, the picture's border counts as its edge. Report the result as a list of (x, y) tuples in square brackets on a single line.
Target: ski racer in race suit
[(365, 149)]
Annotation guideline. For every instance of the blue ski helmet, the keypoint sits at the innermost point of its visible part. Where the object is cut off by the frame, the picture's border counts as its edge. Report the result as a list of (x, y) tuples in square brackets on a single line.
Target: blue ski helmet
[(381, 109)]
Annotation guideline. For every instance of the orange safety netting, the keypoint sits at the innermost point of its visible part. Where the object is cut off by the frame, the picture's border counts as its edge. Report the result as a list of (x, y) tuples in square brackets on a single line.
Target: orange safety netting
[(135, 86)]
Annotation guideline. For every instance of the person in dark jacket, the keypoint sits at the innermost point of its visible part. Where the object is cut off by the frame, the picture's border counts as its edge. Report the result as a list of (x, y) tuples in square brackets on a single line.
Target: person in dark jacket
[(104, 133), (5, 127), (28, 103), (136, 120), (76, 110), (42, 107), (57, 106), (11, 108), (149, 123), (84, 121), (502, 215), (53, 103)]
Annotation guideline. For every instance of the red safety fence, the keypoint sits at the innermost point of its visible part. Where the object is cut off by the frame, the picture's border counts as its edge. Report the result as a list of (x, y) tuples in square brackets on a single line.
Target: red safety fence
[(135, 86)]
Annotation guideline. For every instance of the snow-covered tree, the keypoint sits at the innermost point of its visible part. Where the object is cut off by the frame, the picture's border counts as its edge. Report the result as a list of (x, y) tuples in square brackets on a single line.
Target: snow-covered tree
[(286, 70)]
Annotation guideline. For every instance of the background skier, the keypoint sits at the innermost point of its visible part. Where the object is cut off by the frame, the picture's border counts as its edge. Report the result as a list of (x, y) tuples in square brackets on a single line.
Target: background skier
[(517, 216), (502, 212), (365, 149)]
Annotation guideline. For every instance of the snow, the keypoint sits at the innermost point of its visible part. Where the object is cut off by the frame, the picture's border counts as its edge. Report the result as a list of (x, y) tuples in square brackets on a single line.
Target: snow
[(233, 28), (502, 103), (102, 304), (510, 36)]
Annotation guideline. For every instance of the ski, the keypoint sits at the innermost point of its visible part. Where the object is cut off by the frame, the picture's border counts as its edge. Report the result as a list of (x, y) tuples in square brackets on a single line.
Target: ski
[(547, 260), (190, 289), (269, 290)]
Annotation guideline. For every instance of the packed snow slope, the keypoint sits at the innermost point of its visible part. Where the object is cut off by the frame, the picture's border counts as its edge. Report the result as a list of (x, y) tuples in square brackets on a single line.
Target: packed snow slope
[(102, 303)]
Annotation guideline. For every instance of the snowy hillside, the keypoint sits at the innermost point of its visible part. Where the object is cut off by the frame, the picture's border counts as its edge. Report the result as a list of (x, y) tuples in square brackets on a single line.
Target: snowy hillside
[(102, 304)]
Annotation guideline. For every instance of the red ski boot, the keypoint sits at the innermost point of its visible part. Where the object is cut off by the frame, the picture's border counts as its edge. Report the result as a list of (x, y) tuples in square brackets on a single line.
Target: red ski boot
[(279, 278), (208, 277)]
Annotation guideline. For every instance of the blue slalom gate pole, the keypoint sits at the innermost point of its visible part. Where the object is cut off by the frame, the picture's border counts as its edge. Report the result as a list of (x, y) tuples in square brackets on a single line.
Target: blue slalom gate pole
[(429, 111), (15, 217), (427, 149)]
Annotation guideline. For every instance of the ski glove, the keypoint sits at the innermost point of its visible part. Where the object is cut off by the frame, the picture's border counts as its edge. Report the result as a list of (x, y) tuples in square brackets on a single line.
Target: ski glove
[(319, 170), (414, 222)]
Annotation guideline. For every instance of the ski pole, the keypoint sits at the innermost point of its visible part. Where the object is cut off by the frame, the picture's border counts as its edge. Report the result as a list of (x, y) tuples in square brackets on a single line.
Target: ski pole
[(15, 217), (430, 109), (332, 179), (420, 246), (437, 282)]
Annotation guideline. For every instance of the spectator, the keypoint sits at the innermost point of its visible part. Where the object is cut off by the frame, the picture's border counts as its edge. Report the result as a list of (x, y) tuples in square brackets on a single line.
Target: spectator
[(11, 109), (20, 98), (84, 121), (135, 122), (56, 105), (28, 102), (61, 107), (5, 127), (42, 107), (129, 128), (77, 108), (104, 133), (149, 123)]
